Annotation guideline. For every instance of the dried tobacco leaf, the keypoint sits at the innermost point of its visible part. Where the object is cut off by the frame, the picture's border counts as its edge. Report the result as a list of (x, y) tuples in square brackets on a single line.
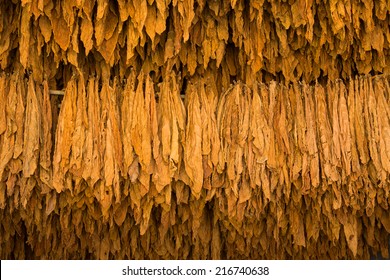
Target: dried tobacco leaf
[(61, 31), (25, 24), (193, 145), (79, 132), (3, 103), (65, 129), (32, 131)]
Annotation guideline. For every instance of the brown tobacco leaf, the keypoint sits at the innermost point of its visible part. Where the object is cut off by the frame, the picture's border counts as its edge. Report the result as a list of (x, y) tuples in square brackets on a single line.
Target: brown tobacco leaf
[(93, 144), (65, 129), (146, 213), (311, 138), (384, 127), (355, 163), (269, 97), (3, 103), (171, 129), (333, 108), (113, 145), (140, 15), (61, 31), (297, 226), (46, 137), (45, 27), (123, 12), (141, 130), (104, 195), (345, 133), (193, 145), (75, 39), (149, 102), (27, 186), (7, 139), (351, 231), (127, 108), (259, 133), (2, 195), (164, 131), (120, 212), (133, 38), (372, 127), (161, 176), (32, 131), (169, 48), (24, 45), (76, 160), (51, 202), (210, 137), (18, 84), (178, 124), (150, 23), (282, 123), (186, 10), (110, 24), (107, 138), (86, 34), (233, 122), (325, 133), (361, 140), (110, 41), (160, 25), (99, 24)]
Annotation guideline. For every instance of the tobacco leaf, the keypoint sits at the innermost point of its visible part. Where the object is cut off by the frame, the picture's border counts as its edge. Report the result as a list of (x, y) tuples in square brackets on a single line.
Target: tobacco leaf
[(24, 45), (114, 143), (32, 131), (61, 31), (325, 133), (86, 33), (345, 134), (47, 125), (64, 132), (127, 108), (80, 124), (193, 145), (8, 138), (3, 103), (45, 27), (93, 143), (384, 126)]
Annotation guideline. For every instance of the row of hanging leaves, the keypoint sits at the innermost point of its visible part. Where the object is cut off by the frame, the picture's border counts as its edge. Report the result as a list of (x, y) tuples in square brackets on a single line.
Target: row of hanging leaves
[(251, 40), (133, 171)]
